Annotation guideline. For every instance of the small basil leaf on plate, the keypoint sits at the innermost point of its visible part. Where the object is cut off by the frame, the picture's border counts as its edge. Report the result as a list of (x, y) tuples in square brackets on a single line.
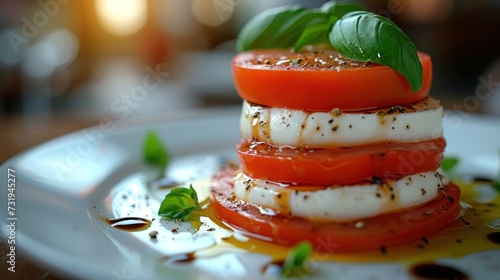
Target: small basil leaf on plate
[(366, 36), (277, 28), (448, 163), (336, 9), (179, 203), (295, 263), (496, 183), (154, 152)]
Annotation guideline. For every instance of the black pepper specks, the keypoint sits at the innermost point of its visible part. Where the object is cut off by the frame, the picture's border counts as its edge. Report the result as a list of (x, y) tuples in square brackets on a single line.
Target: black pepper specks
[(377, 180), (383, 250)]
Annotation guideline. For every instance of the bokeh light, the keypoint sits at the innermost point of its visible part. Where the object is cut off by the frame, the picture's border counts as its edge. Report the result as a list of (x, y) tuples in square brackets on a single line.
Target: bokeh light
[(122, 17)]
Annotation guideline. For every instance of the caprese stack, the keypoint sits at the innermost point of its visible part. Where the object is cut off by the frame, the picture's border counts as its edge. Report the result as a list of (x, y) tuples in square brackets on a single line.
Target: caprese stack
[(336, 152)]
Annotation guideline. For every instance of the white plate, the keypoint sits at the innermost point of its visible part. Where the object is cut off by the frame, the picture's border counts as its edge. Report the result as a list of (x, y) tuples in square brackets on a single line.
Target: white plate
[(60, 186)]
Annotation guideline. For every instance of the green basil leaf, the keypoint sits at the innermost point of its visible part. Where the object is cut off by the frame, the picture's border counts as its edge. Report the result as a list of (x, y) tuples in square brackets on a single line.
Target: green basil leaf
[(154, 152), (295, 263), (314, 34), (496, 185), (448, 163), (337, 10), (277, 28), (195, 220), (179, 203), (366, 36)]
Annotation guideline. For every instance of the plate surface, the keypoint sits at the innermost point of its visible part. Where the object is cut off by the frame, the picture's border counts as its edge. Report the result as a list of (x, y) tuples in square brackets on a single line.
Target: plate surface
[(60, 184)]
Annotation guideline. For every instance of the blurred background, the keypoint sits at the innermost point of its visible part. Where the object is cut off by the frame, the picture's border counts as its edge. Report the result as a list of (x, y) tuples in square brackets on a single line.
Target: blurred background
[(70, 64), (67, 64)]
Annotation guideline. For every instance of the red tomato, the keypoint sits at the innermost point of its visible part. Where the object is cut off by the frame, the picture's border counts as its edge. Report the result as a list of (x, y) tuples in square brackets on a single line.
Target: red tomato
[(375, 233), (320, 88), (339, 165)]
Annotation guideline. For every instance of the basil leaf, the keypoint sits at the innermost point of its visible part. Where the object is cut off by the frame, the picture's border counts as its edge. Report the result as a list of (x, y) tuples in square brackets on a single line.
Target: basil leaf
[(179, 203), (366, 36), (314, 34), (195, 220), (295, 263), (496, 185), (154, 152), (337, 10), (448, 163), (277, 28)]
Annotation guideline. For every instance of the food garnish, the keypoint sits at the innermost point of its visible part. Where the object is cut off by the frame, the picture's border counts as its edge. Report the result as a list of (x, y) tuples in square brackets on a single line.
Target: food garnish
[(336, 149), (295, 264), (179, 203), (356, 34), (496, 182), (154, 153), (449, 163)]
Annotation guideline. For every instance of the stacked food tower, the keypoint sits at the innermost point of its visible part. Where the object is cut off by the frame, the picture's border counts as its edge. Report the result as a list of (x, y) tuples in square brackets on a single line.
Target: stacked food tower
[(339, 152)]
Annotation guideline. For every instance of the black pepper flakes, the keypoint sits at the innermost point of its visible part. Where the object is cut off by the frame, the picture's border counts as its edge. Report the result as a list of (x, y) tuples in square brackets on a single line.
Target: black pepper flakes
[(383, 250), (377, 180)]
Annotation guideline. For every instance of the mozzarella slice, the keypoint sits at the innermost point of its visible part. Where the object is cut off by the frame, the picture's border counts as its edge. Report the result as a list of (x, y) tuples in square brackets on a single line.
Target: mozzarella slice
[(340, 203), (279, 126)]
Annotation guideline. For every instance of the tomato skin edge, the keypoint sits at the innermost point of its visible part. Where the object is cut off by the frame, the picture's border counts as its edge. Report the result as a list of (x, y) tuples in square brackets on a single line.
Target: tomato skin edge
[(338, 166), (417, 222), (323, 90)]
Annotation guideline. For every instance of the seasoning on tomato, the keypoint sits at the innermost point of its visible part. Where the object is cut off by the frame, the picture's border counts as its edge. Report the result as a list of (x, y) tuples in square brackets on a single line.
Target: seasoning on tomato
[(341, 142)]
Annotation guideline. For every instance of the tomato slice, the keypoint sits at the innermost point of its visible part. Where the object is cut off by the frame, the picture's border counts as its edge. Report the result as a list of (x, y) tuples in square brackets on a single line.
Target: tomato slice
[(322, 88), (375, 233), (342, 165)]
